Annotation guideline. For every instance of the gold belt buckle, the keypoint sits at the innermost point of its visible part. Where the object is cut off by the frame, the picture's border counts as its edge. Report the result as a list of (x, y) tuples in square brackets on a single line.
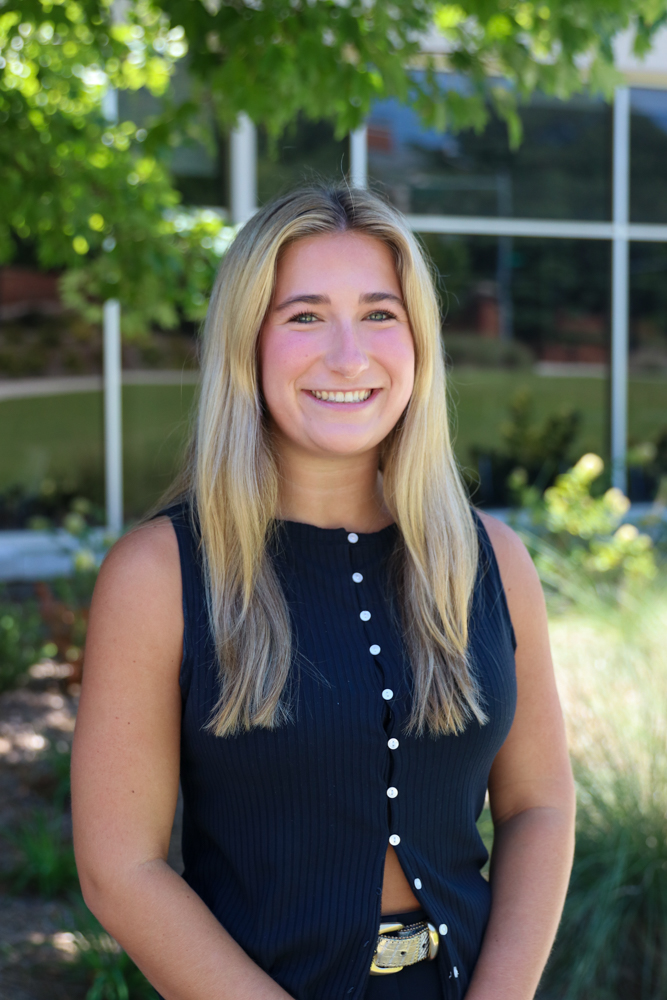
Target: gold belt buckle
[(388, 928)]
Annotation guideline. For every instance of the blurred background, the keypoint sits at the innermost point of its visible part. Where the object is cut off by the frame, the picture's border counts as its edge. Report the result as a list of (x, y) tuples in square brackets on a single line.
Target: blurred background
[(130, 156), (527, 144)]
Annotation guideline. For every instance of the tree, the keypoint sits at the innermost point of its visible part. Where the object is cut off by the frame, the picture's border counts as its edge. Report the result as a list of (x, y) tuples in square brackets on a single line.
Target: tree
[(79, 193), (98, 199), (330, 59)]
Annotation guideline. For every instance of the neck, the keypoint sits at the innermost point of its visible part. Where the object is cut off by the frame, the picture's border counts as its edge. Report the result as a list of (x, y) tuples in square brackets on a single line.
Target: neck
[(331, 491)]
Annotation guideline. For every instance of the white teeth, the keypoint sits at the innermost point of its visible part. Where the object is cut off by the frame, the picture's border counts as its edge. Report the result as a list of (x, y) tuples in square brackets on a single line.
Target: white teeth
[(357, 396)]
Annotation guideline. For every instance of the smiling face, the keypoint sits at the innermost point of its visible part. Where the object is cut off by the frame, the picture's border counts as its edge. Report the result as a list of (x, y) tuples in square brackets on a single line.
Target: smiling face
[(336, 350)]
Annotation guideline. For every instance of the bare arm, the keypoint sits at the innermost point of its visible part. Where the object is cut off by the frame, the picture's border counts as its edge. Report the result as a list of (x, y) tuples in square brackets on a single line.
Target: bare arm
[(532, 800), (125, 770)]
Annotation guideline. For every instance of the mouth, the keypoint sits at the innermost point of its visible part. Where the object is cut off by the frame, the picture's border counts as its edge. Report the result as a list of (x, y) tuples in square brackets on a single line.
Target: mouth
[(339, 396)]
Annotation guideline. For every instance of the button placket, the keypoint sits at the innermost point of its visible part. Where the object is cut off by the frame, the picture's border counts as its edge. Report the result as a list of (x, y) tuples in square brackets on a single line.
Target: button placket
[(387, 694)]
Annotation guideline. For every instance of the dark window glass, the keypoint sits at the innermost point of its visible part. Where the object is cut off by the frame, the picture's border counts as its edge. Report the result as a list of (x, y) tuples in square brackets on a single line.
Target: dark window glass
[(307, 153), (562, 170), (647, 390), (526, 330), (648, 156)]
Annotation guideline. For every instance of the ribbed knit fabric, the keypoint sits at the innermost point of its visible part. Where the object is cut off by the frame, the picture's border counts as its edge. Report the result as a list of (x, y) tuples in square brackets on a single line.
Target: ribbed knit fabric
[(285, 831)]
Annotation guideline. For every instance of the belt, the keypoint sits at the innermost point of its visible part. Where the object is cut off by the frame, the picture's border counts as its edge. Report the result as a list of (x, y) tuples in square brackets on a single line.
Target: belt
[(407, 945)]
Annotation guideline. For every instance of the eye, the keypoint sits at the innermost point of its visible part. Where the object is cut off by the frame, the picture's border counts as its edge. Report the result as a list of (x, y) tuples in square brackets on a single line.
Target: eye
[(304, 318), (380, 316)]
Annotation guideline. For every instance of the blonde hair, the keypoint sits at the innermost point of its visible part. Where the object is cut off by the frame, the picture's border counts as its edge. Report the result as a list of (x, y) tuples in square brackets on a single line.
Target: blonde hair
[(231, 480)]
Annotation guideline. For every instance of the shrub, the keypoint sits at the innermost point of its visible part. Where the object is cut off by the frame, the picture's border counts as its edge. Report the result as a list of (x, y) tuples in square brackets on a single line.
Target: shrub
[(46, 863), (539, 449), (54, 499), (581, 550), (21, 636)]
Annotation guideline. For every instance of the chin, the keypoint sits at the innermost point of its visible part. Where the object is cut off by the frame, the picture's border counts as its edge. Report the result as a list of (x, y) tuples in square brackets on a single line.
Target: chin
[(340, 446)]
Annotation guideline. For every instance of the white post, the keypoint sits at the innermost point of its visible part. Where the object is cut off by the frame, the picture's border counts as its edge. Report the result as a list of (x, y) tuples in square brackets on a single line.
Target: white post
[(243, 170), (113, 421), (359, 157), (113, 408), (620, 288)]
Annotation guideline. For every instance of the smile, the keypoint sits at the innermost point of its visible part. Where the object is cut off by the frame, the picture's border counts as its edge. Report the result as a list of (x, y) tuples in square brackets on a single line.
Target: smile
[(336, 396)]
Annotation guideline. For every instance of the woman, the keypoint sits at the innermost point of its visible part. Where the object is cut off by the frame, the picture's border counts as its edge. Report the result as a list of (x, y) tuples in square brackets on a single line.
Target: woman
[(317, 634)]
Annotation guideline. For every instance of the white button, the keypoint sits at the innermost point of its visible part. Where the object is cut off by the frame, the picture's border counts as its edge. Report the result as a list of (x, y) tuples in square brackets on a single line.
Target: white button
[(357, 577), (387, 694), (365, 616), (353, 537), (456, 973), (443, 929), (394, 840), (392, 792), (392, 743), (374, 650), (418, 883)]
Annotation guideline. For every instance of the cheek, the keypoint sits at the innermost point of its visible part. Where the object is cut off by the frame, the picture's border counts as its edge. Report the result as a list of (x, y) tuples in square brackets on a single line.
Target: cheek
[(283, 356), (398, 358)]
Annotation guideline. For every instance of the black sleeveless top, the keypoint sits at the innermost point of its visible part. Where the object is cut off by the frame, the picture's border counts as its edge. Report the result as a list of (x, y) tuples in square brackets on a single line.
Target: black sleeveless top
[(285, 831)]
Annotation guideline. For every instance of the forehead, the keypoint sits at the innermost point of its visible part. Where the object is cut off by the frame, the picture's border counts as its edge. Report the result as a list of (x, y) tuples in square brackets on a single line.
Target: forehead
[(326, 262)]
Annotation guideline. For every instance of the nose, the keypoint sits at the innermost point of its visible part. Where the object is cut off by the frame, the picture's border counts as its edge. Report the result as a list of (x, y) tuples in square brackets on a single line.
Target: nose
[(345, 355)]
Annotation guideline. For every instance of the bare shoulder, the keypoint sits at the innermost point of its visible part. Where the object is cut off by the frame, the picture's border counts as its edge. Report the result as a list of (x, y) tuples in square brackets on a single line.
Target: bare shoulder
[(138, 594), (147, 556), (517, 571)]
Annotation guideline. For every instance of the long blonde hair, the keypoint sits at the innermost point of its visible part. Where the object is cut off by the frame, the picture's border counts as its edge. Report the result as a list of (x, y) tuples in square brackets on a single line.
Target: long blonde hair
[(231, 480)]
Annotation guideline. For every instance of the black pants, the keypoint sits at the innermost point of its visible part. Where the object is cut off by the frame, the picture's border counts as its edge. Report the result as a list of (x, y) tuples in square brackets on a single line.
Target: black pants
[(414, 982)]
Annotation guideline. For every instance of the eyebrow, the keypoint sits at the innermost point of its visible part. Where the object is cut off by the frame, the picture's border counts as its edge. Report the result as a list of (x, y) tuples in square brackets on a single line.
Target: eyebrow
[(371, 297), (313, 300), (317, 300)]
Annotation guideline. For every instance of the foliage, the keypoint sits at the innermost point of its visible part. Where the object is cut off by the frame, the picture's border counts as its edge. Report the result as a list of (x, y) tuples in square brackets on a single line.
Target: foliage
[(648, 460), (55, 778), (55, 624), (612, 672), (79, 192), (112, 973), (161, 269), (21, 635), (46, 507), (577, 539), (332, 59), (64, 603), (46, 863), (532, 451)]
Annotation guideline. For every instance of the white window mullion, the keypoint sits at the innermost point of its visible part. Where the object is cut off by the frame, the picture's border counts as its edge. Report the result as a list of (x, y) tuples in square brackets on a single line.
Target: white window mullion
[(113, 419), (359, 157), (243, 170), (620, 288)]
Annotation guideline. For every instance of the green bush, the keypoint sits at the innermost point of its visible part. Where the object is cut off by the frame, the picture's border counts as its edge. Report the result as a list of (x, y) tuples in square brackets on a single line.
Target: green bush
[(581, 549), (21, 636), (535, 450), (46, 864)]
